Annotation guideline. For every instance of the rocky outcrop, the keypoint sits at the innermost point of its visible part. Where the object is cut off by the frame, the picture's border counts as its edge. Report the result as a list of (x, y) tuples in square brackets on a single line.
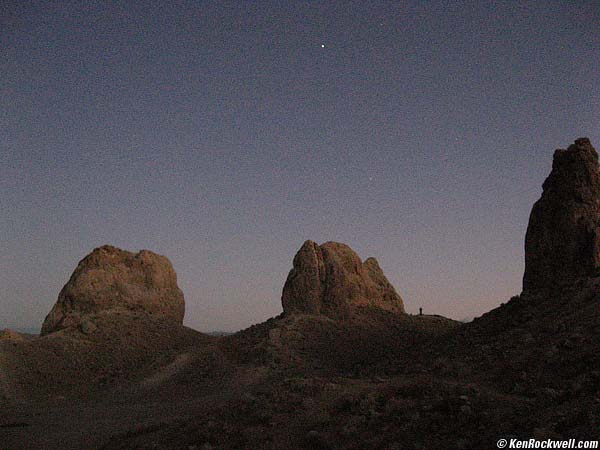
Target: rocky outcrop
[(331, 279), (562, 243), (10, 335), (111, 279)]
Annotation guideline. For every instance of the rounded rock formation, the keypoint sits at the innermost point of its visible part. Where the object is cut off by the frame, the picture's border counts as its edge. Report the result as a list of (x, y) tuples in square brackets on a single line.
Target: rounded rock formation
[(111, 279), (562, 243), (330, 279)]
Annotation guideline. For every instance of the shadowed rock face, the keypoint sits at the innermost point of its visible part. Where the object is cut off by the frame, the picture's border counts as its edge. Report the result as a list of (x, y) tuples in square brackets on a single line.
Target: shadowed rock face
[(113, 279), (331, 279), (562, 243)]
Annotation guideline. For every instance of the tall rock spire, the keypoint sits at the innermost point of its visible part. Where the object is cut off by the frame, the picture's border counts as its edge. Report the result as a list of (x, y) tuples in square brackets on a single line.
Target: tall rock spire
[(562, 243)]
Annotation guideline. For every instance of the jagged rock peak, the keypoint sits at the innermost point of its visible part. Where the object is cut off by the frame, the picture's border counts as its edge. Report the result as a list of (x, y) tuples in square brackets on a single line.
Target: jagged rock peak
[(331, 279), (575, 174), (111, 279), (562, 243)]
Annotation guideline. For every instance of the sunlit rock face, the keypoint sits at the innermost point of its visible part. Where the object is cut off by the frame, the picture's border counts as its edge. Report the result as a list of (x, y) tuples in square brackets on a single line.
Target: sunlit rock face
[(562, 243), (111, 279), (331, 279)]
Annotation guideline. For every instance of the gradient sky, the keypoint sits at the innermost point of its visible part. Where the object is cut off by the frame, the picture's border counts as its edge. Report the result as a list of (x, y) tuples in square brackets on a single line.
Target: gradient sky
[(222, 134)]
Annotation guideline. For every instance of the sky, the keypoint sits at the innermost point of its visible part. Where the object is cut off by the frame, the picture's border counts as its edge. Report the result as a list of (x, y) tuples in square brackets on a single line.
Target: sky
[(223, 134)]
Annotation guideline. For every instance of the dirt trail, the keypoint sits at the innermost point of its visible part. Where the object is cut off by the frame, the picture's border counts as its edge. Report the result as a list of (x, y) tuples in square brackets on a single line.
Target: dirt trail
[(169, 371)]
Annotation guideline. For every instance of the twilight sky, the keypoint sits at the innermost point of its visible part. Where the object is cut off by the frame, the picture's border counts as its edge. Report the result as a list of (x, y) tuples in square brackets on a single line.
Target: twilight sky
[(223, 134)]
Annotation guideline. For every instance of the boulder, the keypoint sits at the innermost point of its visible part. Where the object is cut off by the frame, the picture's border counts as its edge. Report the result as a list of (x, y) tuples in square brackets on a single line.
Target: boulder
[(562, 243), (111, 279), (331, 279)]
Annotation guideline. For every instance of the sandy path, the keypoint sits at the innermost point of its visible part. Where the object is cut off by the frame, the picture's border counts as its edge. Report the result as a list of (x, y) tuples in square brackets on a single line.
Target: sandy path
[(169, 371)]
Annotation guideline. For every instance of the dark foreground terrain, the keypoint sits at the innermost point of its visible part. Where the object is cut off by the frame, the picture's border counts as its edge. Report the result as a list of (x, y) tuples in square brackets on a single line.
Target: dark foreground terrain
[(377, 381)]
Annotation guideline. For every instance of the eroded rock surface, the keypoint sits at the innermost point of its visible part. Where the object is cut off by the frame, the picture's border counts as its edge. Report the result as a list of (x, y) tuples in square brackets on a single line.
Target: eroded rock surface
[(562, 243), (113, 279), (331, 279)]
